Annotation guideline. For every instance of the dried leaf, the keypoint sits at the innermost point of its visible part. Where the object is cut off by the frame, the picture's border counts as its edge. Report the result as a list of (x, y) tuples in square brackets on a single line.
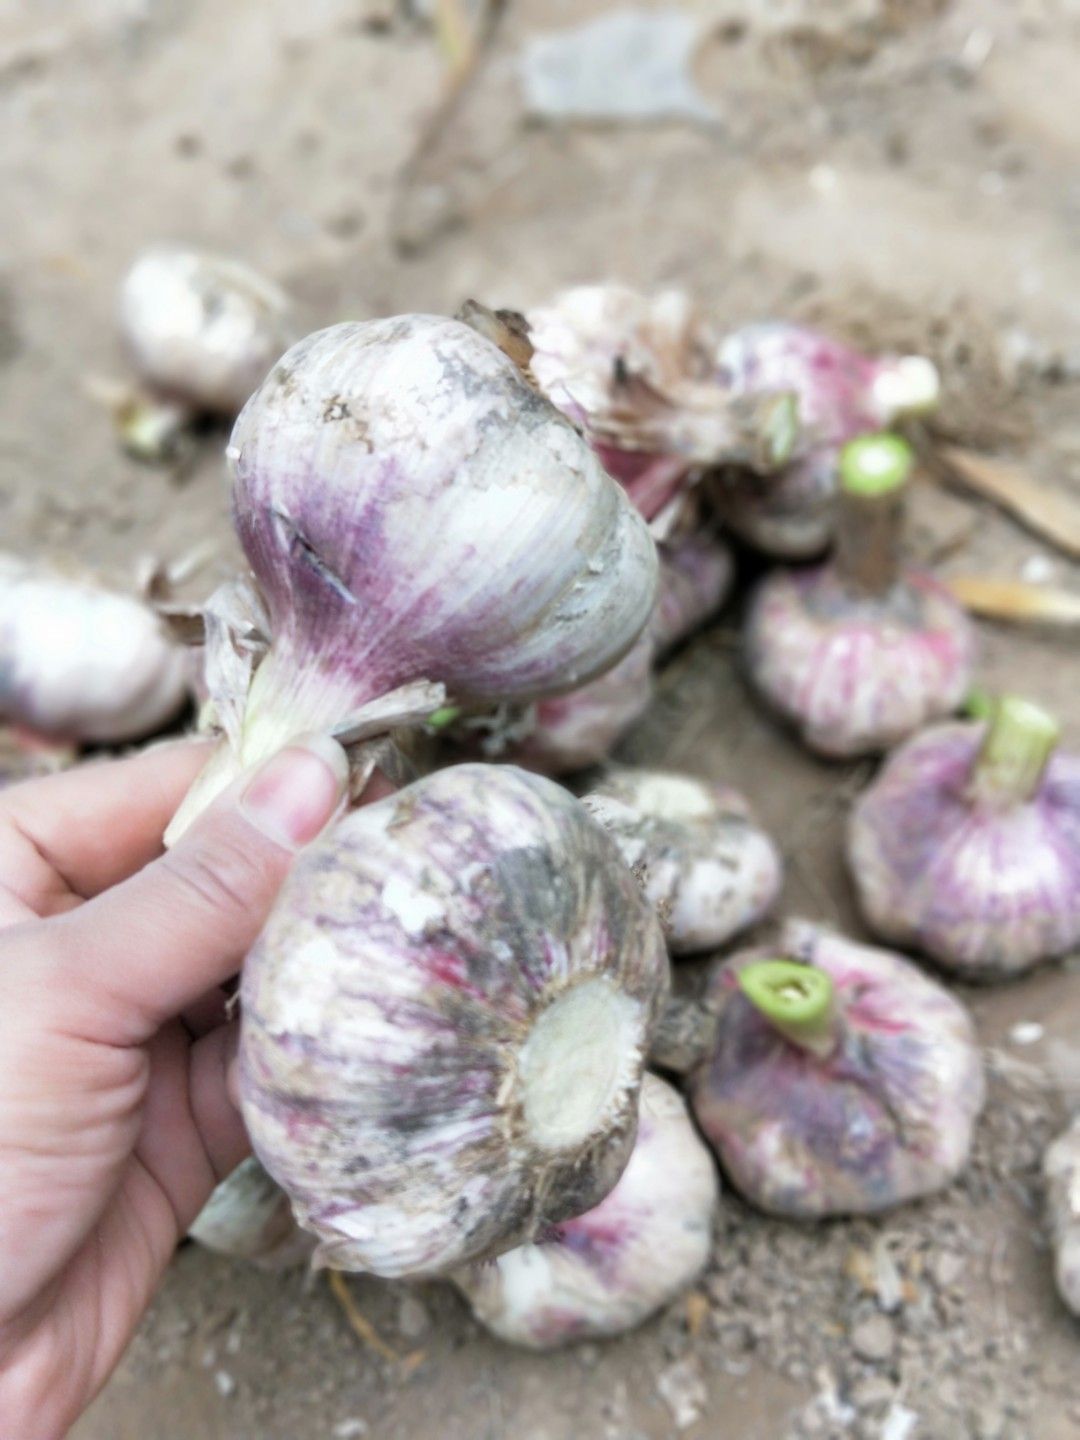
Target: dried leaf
[(1047, 512), (1015, 600)]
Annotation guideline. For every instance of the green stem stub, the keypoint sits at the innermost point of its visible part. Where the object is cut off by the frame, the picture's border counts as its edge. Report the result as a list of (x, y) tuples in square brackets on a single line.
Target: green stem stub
[(797, 1000), (875, 465), (978, 704), (444, 717), (1020, 738)]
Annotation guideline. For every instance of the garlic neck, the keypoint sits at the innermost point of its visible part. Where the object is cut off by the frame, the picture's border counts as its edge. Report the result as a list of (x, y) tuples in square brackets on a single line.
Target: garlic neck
[(1019, 741), (798, 1001), (873, 473)]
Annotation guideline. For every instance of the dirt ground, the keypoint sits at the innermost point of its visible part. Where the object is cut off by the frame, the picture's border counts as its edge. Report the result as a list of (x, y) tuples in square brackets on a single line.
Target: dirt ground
[(905, 170)]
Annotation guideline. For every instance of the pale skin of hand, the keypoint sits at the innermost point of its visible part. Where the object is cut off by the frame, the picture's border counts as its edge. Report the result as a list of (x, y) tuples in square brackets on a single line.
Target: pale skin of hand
[(117, 1084)]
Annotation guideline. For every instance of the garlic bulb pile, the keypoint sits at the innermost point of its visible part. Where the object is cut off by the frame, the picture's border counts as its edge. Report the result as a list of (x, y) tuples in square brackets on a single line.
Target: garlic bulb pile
[(445, 1022), (967, 845), (202, 329), (636, 373), (80, 662), (701, 858), (250, 1218), (841, 1079), (1061, 1171), (857, 653), (841, 394), (419, 521), (611, 1268)]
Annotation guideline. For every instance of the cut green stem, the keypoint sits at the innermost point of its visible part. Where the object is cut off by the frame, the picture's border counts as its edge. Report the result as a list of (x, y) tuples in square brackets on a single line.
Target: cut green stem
[(797, 1000), (873, 473), (1020, 738)]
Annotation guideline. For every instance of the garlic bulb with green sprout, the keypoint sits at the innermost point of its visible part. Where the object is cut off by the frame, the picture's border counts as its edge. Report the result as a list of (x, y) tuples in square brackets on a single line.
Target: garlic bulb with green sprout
[(250, 1218), (421, 524), (80, 662), (636, 373), (608, 1270), (840, 1079), (445, 1022), (696, 848), (842, 393), (967, 844), (1061, 1173), (859, 653)]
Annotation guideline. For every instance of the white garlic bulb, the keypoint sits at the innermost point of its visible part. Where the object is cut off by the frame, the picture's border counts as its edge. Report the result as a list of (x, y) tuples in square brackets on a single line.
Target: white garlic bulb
[(201, 328), (81, 662), (702, 859), (250, 1218), (1061, 1170), (610, 1269), (445, 1022)]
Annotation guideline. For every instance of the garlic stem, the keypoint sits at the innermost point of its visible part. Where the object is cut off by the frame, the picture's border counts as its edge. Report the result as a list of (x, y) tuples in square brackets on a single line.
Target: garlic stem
[(873, 473), (797, 1001), (1019, 740)]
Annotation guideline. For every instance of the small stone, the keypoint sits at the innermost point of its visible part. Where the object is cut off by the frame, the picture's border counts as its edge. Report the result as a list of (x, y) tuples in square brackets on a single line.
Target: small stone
[(350, 1429), (413, 1320), (872, 1392), (683, 1391), (588, 1356), (1027, 1032), (874, 1338), (946, 1268), (224, 1383)]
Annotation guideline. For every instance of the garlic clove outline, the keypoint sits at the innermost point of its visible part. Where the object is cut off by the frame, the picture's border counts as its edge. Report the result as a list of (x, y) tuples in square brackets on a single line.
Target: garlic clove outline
[(249, 1218)]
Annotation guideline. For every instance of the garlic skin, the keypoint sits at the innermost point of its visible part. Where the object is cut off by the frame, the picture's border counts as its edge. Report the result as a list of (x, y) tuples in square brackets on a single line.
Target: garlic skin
[(202, 328), (696, 576), (80, 662), (882, 1116), (250, 1218), (608, 1270), (841, 393), (1061, 1174), (696, 849), (445, 1022), (986, 883)]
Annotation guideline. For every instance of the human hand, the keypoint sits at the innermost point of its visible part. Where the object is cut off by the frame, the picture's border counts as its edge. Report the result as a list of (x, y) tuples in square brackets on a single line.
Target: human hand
[(117, 1116)]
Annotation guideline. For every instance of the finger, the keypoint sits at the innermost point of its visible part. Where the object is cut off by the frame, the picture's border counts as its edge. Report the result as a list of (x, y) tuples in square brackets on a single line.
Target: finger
[(206, 1013), (146, 949), (76, 834)]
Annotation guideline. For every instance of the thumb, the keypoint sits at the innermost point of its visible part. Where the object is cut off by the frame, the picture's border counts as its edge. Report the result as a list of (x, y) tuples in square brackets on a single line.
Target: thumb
[(182, 925)]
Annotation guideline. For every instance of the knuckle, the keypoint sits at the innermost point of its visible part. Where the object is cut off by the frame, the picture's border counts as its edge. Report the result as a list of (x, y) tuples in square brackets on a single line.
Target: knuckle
[(222, 873)]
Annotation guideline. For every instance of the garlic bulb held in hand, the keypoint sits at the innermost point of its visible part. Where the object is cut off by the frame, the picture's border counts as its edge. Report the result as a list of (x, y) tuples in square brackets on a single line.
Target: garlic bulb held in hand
[(701, 858), (841, 1080), (80, 662), (1061, 1173), (419, 520), (250, 1218), (858, 653), (445, 1022), (610, 1269), (967, 844)]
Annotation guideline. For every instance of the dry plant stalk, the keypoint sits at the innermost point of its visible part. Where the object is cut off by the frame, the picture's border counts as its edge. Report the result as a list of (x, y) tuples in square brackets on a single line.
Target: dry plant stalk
[(1053, 516), (1015, 600)]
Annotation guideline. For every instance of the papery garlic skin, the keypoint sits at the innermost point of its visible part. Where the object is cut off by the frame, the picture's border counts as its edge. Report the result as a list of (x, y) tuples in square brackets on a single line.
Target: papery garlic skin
[(857, 674), (1061, 1173), (885, 1118), (987, 887), (610, 1269), (80, 662), (696, 575), (202, 328), (445, 1022), (250, 1218), (697, 850)]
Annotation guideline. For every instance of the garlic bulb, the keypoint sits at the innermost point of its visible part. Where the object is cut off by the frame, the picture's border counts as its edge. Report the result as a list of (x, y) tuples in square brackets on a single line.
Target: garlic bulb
[(1061, 1171), (696, 574), (418, 520), (611, 1268), (841, 394), (80, 662), (635, 372), (250, 1218), (445, 1022), (967, 845), (841, 1080), (701, 858), (201, 328), (857, 653)]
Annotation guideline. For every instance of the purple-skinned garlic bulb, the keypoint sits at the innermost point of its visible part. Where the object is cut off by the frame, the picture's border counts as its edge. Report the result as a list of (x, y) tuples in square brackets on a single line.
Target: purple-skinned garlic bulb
[(841, 1080), (841, 394), (610, 1269), (420, 523), (1061, 1174), (859, 653), (696, 575), (696, 848), (249, 1218), (445, 1022), (967, 844)]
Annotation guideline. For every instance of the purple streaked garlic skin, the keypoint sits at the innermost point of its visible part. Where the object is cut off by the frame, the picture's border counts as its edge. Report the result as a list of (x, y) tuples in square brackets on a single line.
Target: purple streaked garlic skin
[(696, 575), (445, 1022), (249, 1218), (1061, 1175), (883, 1117), (607, 1271), (856, 674), (987, 885), (697, 850)]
